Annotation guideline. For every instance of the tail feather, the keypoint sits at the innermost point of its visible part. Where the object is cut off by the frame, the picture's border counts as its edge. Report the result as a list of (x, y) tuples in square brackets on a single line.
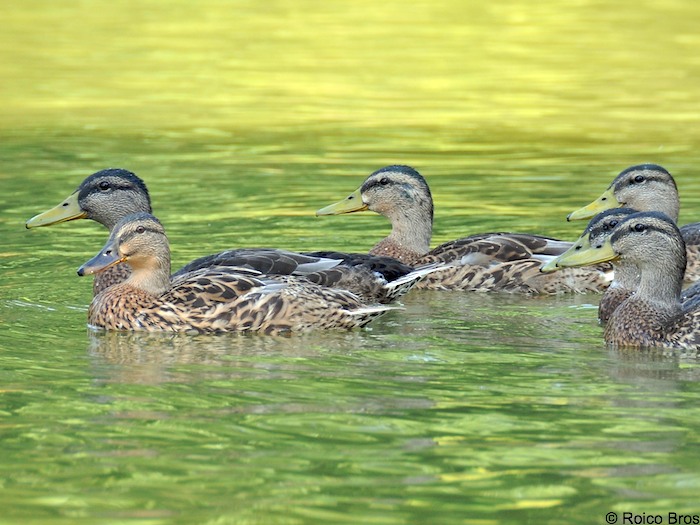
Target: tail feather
[(366, 314), (404, 284)]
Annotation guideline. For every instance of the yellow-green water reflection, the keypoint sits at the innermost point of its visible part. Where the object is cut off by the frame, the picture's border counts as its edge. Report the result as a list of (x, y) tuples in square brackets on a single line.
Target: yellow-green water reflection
[(245, 117)]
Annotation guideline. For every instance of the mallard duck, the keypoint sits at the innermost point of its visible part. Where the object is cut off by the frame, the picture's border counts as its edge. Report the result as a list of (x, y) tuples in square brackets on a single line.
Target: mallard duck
[(626, 276), (653, 315), (109, 195), (648, 187), (484, 262), (105, 197), (211, 299)]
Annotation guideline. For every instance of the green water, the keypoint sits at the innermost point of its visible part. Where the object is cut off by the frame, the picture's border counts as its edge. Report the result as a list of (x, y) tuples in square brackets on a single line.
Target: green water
[(245, 117)]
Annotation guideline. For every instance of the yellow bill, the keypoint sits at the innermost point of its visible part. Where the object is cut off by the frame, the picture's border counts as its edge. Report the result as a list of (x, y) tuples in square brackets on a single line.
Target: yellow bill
[(582, 243), (586, 255), (68, 210), (350, 204), (606, 201)]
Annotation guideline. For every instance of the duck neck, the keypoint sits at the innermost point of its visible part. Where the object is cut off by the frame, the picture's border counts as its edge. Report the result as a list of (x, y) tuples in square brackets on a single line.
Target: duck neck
[(411, 229), (109, 221), (125, 203), (661, 285), (152, 277), (626, 276), (669, 204)]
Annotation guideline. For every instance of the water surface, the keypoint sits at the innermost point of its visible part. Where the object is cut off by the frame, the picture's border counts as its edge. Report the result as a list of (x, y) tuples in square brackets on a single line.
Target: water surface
[(244, 118)]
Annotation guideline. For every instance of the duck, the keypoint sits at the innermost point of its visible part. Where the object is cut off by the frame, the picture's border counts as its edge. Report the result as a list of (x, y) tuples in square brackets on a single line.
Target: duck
[(648, 187), (625, 275), (109, 195), (508, 262), (653, 316), (209, 299)]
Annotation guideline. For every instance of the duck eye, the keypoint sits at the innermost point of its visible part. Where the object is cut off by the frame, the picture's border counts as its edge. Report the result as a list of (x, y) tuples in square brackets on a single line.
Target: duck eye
[(384, 181), (610, 225), (639, 227), (140, 229), (637, 180), (104, 185)]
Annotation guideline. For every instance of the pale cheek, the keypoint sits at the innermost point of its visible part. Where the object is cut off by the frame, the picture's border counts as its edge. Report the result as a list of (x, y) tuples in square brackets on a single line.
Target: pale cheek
[(381, 208)]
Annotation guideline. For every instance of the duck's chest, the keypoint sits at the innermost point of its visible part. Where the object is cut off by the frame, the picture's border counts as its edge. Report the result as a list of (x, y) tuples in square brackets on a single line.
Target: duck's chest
[(115, 309), (109, 277)]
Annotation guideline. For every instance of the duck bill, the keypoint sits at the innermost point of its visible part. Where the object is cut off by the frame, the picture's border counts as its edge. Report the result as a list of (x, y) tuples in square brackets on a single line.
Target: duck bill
[(349, 204), (586, 255), (606, 201), (582, 244), (108, 257), (68, 210)]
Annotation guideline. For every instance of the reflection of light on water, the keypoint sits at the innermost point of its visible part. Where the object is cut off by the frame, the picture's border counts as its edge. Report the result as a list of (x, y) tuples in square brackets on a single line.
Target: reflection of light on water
[(493, 402), (155, 357), (24, 304)]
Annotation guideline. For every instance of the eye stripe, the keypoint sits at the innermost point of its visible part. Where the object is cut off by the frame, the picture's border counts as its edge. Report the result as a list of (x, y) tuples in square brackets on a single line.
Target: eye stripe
[(377, 182), (128, 235), (622, 182)]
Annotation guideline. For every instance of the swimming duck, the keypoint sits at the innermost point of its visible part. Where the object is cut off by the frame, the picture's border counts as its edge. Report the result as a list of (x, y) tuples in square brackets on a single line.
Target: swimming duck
[(211, 299), (483, 262), (626, 277), (109, 195), (648, 187), (653, 316)]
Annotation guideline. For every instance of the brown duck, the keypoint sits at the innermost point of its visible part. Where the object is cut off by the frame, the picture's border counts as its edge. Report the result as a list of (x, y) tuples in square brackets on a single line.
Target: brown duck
[(109, 195), (211, 299), (648, 187), (483, 262), (653, 316)]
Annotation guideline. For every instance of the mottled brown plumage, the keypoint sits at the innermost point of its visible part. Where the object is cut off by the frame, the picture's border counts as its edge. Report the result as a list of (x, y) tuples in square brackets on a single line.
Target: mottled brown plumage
[(484, 262), (653, 315), (113, 275), (626, 275), (648, 187), (211, 299), (109, 195)]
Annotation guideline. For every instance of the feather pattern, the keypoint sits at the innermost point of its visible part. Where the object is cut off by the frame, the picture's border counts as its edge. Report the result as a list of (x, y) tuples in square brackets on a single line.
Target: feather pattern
[(109, 195), (209, 299), (652, 316), (499, 261)]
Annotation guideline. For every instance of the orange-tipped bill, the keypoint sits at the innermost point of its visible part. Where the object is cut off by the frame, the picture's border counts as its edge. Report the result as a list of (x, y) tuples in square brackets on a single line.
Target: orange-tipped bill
[(109, 256)]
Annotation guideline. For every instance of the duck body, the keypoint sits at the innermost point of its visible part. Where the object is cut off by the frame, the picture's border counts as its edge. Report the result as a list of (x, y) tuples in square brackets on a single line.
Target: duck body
[(648, 187), (210, 299), (653, 315), (659, 322), (224, 300), (626, 276), (109, 195), (507, 262)]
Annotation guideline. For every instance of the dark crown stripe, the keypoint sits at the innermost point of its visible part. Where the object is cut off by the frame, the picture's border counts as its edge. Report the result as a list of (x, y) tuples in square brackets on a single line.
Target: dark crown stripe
[(652, 172)]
